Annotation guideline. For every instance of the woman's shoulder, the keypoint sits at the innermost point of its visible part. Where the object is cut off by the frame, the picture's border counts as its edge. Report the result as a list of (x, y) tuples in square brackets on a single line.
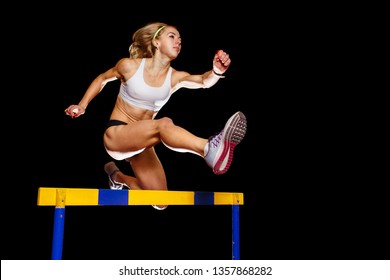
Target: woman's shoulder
[(129, 61), (128, 64)]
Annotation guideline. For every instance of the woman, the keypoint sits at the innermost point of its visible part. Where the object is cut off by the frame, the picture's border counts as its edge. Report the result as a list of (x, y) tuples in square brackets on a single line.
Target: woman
[(147, 82)]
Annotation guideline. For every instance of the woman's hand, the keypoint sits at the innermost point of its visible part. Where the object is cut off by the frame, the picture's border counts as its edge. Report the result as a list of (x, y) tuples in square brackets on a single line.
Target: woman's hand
[(221, 62), (74, 111)]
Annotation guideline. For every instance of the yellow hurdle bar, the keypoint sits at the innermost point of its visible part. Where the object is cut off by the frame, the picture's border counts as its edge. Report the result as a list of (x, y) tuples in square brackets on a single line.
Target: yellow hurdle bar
[(105, 197)]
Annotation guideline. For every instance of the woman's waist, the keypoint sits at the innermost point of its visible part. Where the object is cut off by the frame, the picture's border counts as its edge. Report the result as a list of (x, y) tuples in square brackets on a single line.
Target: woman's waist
[(129, 113)]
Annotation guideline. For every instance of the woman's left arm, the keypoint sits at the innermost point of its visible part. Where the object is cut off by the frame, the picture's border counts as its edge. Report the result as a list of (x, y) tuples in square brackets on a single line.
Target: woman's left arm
[(221, 63)]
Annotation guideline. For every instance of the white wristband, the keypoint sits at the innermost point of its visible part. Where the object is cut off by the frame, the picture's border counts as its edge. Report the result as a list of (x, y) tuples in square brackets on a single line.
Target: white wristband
[(218, 75), (217, 72), (211, 79)]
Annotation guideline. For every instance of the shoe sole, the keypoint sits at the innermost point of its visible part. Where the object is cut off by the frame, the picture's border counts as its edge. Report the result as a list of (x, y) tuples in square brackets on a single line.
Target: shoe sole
[(233, 133)]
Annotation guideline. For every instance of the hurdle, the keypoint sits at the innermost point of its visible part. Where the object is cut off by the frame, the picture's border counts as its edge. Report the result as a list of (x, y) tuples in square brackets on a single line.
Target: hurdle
[(62, 197)]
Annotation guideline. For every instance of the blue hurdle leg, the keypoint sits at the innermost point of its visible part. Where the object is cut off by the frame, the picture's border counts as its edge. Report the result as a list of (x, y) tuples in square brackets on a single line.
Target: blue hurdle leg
[(236, 232), (59, 221), (58, 233)]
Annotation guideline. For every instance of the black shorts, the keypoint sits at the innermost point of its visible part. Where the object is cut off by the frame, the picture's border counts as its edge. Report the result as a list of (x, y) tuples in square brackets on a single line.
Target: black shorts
[(114, 123)]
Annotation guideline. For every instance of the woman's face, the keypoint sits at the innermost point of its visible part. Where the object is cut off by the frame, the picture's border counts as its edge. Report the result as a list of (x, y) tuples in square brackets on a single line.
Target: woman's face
[(169, 42)]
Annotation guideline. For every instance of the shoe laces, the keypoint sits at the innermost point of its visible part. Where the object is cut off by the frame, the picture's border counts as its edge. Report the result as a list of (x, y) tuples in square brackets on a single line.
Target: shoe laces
[(215, 139)]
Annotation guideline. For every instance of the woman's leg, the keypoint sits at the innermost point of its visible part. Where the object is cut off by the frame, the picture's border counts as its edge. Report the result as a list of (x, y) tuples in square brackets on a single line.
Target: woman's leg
[(217, 151), (148, 170), (147, 133), (118, 180)]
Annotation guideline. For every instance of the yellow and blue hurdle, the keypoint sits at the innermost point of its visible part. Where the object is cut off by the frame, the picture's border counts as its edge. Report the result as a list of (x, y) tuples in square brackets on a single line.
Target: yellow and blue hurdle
[(61, 197)]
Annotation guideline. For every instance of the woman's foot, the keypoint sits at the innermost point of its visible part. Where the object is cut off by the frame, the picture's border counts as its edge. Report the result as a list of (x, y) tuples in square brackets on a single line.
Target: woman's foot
[(160, 207), (110, 168), (221, 146)]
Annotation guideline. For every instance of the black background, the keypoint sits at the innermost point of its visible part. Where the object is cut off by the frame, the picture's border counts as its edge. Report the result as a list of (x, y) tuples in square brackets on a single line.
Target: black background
[(300, 166)]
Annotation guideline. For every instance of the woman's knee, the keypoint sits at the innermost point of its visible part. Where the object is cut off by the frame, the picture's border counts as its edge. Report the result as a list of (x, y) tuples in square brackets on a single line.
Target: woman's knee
[(165, 122)]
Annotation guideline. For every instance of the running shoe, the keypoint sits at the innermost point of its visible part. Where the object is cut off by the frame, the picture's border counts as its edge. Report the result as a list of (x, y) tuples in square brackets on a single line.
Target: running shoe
[(110, 168), (221, 146), (160, 207)]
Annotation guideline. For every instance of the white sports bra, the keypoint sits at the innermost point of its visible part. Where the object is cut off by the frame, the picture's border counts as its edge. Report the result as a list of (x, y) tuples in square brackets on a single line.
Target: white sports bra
[(137, 93)]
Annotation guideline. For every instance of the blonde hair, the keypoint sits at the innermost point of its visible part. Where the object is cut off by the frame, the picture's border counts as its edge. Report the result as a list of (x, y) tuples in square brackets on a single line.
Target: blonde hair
[(142, 45)]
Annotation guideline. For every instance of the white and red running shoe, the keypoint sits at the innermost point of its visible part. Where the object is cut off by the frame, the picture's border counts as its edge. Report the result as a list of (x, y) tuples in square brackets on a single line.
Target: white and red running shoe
[(221, 146)]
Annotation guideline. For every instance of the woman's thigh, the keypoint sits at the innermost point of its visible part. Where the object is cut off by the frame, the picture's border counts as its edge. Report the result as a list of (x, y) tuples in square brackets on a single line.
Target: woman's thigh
[(148, 170), (132, 136)]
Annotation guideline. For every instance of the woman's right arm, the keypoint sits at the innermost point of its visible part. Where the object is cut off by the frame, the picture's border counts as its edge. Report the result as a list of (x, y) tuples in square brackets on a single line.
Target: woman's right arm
[(93, 90)]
